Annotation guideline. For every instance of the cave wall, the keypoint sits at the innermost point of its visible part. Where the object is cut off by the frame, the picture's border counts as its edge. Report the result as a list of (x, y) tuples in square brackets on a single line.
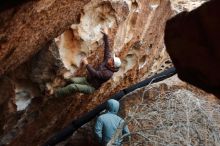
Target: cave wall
[(135, 36), (124, 20), (27, 27)]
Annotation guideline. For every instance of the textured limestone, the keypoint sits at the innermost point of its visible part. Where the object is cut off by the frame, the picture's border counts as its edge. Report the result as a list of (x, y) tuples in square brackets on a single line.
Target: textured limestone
[(185, 5), (135, 35), (132, 44), (26, 28)]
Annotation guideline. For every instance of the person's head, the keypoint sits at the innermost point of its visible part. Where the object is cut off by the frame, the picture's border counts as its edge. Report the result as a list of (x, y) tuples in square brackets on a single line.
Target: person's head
[(114, 63), (112, 106)]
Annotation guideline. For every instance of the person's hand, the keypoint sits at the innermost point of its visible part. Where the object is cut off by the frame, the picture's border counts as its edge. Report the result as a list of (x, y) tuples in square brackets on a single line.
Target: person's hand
[(67, 75), (85, 61), (104, 30)]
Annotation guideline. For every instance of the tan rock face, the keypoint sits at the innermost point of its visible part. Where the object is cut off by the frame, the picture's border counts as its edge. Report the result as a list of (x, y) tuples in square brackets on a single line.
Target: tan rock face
[(135, 36), (26, 28), (132, 44), (185, 5)]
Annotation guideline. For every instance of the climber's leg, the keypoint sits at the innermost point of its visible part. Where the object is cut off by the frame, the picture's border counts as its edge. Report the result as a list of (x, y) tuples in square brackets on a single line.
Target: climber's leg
[(72, 88), (78, 80)]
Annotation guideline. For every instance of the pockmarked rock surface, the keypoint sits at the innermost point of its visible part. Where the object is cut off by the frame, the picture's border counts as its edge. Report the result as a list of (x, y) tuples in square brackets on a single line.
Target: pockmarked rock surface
[(135, 36), (25, 28), (185, 5)]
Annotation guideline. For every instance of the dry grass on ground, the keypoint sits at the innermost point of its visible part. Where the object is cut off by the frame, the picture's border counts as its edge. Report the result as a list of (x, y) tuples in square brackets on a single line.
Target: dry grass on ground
[(175, 118)]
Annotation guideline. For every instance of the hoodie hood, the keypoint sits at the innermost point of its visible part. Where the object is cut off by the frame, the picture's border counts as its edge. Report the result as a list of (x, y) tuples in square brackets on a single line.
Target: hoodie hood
[(112, 106)]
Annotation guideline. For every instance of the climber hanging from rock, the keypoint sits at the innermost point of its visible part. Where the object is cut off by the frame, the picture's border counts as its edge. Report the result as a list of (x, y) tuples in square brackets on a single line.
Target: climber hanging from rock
[(109, 127), (95, 77)]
